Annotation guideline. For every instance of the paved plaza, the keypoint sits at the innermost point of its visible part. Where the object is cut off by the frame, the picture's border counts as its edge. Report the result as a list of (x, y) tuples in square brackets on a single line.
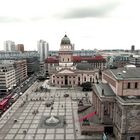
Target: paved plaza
[(19, 122)]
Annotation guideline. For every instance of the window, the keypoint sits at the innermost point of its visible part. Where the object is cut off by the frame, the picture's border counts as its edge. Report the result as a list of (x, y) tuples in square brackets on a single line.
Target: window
[(90, 79), (132, 138), (136, 85), (58, 82), (78, 78), (53, 81), (84, 78), (128, 86), (68, 59)]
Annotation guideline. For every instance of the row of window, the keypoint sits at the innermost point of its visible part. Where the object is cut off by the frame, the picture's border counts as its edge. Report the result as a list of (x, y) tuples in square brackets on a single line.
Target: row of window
[(63, 77), (64, 60), (58, 82), (135, 85)]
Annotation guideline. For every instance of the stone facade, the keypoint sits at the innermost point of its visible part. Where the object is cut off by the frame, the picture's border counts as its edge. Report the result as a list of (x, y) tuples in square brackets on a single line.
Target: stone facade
[(63, 70), (117, 103), (126, 121), (73, 78)]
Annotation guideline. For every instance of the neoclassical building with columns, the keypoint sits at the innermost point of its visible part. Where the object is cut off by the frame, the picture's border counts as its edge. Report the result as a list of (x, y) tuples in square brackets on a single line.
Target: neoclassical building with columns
[(117, 102), (64, 72)]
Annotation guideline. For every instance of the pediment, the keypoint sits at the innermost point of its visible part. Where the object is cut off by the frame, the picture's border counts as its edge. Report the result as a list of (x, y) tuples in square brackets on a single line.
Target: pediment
[(66, 72)]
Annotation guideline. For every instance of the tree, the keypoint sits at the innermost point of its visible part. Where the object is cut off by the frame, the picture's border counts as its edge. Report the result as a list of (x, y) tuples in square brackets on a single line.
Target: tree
[(87, 86)]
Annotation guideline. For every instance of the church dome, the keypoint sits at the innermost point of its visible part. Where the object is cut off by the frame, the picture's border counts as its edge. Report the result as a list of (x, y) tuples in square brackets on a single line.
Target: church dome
[(65, 40)]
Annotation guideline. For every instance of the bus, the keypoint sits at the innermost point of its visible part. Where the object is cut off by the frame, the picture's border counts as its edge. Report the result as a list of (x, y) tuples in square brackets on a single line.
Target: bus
[(4, 104)]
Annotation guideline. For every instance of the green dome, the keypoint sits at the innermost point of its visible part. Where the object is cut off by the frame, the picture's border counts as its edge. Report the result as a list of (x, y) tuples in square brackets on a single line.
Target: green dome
[(65, 41)]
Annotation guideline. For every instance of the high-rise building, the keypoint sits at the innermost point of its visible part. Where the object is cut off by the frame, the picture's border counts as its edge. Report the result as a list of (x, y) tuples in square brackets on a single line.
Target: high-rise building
[(132, 48), (43, 48), (135, 60), (20, 47), (20, 70), (9, 45), (7, 77)]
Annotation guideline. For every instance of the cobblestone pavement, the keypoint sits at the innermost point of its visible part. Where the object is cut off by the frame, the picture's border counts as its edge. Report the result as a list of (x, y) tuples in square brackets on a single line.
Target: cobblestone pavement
[(20, 123)]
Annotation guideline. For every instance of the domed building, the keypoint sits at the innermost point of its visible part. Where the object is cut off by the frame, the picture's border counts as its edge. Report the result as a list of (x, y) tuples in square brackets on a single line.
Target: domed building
[(65, 40), (65, 72)]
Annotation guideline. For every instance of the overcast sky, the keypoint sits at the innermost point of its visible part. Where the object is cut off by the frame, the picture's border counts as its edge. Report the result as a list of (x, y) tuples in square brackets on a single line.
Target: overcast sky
[(90, 24)]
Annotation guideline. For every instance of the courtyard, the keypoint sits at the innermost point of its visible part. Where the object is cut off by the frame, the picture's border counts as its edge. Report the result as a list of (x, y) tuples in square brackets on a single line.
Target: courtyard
[(22, 120)]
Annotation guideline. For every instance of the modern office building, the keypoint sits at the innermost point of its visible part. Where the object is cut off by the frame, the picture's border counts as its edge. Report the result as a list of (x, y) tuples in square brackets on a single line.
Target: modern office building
[(117, 102), (9, 46), (7, 77), (135, 60), (43, 48), (20, 47), (132, 48), (31, 57), (33, 65), (20, 69)]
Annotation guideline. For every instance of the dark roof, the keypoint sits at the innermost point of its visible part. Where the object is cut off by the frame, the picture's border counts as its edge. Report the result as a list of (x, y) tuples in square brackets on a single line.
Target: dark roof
[(65, 40), (84, 66), (126, 73), (105, 88)]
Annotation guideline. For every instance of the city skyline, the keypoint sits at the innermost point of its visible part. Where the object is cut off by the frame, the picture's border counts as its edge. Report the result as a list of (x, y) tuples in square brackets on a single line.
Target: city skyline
[(113, 24)]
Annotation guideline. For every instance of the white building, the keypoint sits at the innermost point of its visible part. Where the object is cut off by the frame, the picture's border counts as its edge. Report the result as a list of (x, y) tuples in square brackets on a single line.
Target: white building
[(135, 60), (9, 45), (66, 74), (12, 72), (7, 77), (43, 48)]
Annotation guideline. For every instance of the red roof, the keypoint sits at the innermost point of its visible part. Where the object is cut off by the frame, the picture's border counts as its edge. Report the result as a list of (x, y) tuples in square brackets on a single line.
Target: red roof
[(90, 59), (55, 59), (52, 60)]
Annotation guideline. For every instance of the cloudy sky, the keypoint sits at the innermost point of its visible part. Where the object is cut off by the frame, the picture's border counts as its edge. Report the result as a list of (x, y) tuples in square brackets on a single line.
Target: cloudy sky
[(90, 24)]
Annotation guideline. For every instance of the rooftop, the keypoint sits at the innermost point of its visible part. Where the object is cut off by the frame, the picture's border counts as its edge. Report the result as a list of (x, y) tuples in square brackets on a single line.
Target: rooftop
[(104, 89), (127, 73), (84, 66), (129, 100), (130, 73)]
